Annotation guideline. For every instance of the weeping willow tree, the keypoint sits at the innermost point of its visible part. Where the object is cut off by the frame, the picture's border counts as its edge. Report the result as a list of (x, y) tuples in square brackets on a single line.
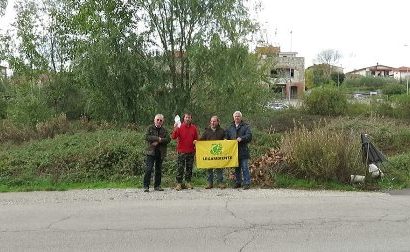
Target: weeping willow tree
[(201, 44), (126, 60)]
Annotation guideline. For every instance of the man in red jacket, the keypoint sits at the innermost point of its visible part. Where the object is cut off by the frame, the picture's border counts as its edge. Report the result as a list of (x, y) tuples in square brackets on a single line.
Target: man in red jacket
[(186, 136)]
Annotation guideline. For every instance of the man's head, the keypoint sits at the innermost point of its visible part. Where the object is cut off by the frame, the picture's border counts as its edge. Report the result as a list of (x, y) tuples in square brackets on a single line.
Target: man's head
[(158, 120), (187, 118), (237, 117), (214, 122)]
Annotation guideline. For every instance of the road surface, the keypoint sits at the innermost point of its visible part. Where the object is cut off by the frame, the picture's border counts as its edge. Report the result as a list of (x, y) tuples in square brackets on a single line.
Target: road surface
[(204, 220)]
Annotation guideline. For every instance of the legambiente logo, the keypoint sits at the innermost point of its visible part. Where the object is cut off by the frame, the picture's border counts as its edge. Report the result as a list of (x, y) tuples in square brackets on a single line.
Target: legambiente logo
[(216, 149), (216, 152)]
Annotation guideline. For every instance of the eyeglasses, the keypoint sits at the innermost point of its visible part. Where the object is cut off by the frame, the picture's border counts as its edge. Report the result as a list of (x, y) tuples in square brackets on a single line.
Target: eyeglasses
[(159, 120)]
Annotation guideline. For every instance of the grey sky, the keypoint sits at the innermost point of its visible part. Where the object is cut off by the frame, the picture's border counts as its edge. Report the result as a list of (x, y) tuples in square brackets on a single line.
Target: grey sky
[(366, 32)]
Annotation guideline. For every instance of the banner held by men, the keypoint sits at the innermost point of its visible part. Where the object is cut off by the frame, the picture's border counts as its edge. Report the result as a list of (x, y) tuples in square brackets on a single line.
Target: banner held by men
[(216, 154)]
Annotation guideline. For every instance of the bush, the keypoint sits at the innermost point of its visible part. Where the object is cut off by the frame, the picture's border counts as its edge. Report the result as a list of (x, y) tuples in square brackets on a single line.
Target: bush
[(10, 132), (369, 82), (3, 107), (321, 154), (52, 127), (65, 95), (327, 101), (397, 170), (402, 106), (29, 106), (394, 89), (105, 155)]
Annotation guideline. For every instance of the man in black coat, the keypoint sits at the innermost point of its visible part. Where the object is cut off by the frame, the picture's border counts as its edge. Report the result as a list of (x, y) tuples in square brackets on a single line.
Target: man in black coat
[(214, 132), (157, 138), (241, 132)]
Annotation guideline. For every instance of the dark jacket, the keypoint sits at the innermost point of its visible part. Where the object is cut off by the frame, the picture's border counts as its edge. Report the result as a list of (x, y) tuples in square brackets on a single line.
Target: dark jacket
[(209, 134), (244, 132), (152, 135)]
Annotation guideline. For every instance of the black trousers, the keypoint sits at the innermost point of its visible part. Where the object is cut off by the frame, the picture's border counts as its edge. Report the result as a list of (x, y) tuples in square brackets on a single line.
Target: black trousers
[(150, 161)]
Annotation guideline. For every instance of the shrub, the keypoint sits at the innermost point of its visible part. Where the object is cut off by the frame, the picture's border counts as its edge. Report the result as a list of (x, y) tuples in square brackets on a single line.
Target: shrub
[(327, 101), (398, 170), (56, 125), (357, 109), (105, 155), (370, 82), (394, 89), (29, 106), (3, 107), (10, 132), (322, 154), (402, 106)]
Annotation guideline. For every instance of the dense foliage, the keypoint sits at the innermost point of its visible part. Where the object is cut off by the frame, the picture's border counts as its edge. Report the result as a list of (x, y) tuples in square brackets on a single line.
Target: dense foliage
[(125, 61), (328, 101)]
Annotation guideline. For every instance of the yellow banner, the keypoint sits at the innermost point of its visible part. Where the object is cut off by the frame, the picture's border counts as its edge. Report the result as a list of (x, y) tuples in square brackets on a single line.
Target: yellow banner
[(216, 154)]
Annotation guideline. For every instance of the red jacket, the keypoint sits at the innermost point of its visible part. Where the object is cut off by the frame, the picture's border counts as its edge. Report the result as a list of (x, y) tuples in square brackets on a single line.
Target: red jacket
[(185, 135)]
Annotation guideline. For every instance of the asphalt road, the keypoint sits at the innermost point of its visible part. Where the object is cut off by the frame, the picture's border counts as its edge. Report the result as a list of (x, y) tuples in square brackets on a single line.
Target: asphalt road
[(204, 220)]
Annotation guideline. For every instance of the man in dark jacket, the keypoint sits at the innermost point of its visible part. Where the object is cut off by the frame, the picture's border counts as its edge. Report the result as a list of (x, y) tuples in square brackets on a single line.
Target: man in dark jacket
[(241, 132), (157, 138), (214, 132)]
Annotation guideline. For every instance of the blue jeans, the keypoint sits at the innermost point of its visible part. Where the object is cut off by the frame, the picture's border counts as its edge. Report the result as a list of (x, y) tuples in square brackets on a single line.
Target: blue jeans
[(243, 169), (219, 175)]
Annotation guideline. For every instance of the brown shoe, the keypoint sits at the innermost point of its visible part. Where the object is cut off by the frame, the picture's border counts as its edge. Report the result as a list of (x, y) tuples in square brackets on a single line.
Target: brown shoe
[(178, 187), (189, 186), (222, 186), (209, 186)]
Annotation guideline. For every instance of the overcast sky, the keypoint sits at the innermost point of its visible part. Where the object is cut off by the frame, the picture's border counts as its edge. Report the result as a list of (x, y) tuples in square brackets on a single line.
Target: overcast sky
[(365, 32)]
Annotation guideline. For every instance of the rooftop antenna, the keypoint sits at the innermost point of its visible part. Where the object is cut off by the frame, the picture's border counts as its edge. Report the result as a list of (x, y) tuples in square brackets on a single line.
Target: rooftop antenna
[(266, 33), (275, 41), (291, 32)]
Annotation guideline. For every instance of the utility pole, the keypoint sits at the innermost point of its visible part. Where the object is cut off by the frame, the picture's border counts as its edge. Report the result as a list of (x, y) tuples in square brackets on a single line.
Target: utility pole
[(407, 79), (407, 75)]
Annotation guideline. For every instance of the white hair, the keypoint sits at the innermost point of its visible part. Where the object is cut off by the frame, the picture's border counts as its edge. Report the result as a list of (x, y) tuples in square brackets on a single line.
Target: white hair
[(237, 113), (159, 116)]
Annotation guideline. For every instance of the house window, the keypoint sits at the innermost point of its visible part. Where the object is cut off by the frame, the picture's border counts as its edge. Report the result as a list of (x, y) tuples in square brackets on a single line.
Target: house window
[(273, 73), (292, 72), (282, 73)]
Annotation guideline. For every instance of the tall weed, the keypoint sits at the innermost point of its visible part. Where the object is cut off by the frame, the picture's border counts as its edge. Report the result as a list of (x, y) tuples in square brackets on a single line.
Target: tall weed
[(322, 154)]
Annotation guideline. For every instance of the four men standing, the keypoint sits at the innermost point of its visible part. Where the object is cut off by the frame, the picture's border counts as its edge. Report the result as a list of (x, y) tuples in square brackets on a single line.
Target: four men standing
[(186, 135)]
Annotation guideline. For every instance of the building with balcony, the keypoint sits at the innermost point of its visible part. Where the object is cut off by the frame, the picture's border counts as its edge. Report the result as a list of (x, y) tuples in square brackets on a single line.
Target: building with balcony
[(286, 71)]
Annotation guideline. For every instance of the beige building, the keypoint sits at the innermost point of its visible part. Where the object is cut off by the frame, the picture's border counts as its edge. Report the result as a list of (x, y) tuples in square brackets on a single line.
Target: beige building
[(286, 73)]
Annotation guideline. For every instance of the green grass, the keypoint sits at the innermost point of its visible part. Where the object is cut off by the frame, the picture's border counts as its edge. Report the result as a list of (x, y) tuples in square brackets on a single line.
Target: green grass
[(114, 158), (134, 182), (285, 181)]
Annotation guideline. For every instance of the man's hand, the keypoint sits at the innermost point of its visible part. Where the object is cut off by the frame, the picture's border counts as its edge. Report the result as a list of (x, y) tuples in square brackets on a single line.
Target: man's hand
[(239, 139)]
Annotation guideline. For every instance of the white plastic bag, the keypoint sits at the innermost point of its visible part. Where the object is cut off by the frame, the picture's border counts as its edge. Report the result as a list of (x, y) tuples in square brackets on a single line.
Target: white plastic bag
[(177, 121)]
